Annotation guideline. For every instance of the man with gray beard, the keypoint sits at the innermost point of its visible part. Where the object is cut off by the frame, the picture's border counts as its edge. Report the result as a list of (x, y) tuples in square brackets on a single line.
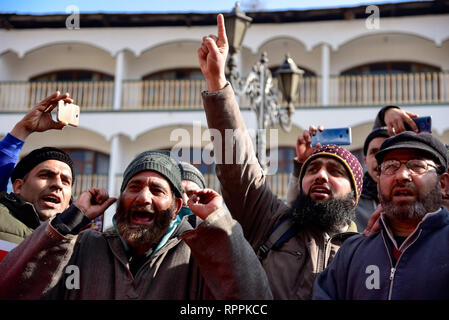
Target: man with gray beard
[(151, 253), (407, 259)]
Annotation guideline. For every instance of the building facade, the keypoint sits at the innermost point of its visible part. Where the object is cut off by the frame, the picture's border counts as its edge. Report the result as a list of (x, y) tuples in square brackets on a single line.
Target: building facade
[(137, 81)]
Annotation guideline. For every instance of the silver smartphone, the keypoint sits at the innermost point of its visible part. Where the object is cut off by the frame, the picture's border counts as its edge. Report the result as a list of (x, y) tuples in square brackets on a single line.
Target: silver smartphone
[(69, 113)]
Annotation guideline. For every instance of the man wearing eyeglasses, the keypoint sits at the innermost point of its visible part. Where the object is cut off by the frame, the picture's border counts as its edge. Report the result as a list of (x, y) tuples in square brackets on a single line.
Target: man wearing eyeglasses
[(408, 258)]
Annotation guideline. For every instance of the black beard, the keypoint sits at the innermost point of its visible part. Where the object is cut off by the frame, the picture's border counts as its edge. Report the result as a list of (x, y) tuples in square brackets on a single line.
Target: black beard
[(328, 215), (142, 236), (416, 211)]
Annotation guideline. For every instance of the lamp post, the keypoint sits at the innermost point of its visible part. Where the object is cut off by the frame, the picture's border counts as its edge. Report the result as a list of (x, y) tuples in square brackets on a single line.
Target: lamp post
[(258, 85)]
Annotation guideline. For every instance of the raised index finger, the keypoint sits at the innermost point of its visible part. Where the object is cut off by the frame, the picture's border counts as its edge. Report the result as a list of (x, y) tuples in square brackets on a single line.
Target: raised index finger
[(221, 28)]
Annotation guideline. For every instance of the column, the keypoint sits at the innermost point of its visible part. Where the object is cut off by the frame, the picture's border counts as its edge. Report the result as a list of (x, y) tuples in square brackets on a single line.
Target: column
[(325, 72), (118, 79), (114, 169)]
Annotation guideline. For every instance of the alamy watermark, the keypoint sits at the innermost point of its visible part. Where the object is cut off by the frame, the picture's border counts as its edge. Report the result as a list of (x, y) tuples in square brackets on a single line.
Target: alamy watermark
[(373, 20), (72, 282), (72, 22), (230, 146), (373, 280)]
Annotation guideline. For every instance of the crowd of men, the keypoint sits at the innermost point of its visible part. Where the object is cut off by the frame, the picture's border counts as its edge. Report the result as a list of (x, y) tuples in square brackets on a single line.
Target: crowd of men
[(173, 238)]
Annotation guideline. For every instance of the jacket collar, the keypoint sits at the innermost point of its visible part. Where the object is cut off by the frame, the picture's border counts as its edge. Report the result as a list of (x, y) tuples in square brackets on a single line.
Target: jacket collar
[(432, 220), (20, 209)]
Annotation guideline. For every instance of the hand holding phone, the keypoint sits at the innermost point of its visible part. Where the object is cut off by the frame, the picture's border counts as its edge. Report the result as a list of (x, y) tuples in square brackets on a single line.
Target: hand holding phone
[(337, 136), (68, 113), (424, 124)]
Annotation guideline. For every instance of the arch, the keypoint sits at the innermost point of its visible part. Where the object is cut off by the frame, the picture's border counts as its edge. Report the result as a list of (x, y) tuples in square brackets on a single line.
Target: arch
[(383, 46), (9, 51), (169, 136), (166, 43), (69, 137), (377, 34), (51, 43), (282, 37)]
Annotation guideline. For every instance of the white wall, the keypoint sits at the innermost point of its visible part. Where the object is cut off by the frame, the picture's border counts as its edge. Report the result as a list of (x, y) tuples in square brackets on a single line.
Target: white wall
[(57, 57), (388, 47)]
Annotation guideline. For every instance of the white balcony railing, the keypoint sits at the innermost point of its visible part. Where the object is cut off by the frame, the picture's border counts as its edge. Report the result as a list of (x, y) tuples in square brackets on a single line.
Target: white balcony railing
[(89, 95), (384, 89), (361, 90), (163, 94)]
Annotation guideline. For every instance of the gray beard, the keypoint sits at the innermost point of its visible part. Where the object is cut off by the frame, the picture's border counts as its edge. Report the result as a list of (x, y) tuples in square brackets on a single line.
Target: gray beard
[(416, 211), (325, 215), (143, 236)]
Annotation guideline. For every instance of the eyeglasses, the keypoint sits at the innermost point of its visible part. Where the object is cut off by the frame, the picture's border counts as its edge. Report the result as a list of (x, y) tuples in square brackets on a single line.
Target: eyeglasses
[(414, 166)]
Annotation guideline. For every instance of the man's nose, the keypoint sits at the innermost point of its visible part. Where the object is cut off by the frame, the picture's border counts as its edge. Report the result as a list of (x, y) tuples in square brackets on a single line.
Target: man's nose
[(144, 197), (322, 176), (403, 173), (56, 182)]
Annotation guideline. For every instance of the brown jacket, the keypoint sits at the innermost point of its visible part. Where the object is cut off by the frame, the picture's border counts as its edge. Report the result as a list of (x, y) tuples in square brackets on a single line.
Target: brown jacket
[(292, 269), (212, 261)]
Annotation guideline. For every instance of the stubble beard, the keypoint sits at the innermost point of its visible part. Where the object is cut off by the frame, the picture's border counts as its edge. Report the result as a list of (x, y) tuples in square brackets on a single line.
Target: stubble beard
[(413, 211)]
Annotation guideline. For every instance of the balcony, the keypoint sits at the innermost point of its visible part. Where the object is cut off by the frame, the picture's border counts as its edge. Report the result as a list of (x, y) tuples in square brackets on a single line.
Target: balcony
[(151, 95)]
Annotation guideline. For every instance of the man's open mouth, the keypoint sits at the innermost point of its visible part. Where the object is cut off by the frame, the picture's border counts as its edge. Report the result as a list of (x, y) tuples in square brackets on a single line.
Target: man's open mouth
[(320, 191), (403, 192), (51, 199), (141, 217)]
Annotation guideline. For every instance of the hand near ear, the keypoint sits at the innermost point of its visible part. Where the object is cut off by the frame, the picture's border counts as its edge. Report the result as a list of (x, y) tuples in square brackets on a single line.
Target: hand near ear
[(204, 202)]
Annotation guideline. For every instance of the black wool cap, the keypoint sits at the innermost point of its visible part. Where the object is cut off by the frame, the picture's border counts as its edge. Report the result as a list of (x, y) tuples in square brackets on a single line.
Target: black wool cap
[(159, 162), (191, 173), (380, 132), (424, 142), (40, 155)]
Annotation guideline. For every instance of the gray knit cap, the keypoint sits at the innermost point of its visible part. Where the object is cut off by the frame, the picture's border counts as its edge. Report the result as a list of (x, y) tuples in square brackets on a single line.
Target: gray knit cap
[(155, 161), (191, 173)]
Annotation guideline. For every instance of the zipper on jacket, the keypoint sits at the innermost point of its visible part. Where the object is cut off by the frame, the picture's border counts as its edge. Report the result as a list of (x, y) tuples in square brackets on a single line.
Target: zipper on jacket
[(392, 273), (393, 269), (322, 256)]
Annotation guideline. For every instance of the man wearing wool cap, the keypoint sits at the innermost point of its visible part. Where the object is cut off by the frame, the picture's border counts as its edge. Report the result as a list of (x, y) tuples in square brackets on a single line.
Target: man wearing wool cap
[(407, 258), (192, 180), (294, 244), (151, 253)]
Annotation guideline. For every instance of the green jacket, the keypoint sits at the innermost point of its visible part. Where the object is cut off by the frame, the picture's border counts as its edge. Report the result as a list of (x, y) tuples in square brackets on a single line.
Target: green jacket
[(17, 218)]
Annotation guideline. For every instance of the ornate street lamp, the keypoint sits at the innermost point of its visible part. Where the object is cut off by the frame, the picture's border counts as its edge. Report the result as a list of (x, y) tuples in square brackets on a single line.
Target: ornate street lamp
[(258, 85)]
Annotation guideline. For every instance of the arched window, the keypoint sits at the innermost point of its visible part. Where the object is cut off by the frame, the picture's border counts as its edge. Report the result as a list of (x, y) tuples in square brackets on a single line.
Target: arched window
[(89, 161), (176, 74), (390, 67), (73, 75), (281, 159), (391, 82)]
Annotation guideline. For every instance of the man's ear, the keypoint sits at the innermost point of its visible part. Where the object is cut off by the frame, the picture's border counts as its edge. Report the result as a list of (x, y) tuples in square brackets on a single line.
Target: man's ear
[(444, 181), (178, 206), (17, 186)]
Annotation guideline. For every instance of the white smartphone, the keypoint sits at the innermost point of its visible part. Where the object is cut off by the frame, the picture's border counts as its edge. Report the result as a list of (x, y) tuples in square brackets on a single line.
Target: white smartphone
[(69, 113)]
